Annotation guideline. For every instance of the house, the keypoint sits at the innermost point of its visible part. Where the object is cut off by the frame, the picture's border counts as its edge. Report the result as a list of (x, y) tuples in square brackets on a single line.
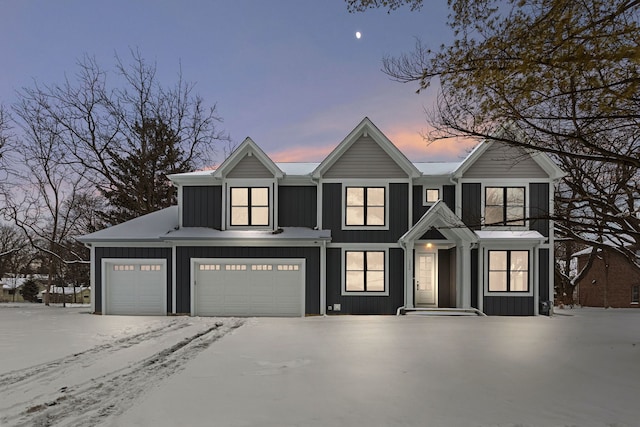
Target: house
[(612, 280), (11, 287), (67, 294), (365, 231)]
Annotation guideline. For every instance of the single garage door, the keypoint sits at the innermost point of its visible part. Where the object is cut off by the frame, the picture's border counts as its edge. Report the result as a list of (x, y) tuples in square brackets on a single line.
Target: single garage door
[(248, 287), (135, 286)]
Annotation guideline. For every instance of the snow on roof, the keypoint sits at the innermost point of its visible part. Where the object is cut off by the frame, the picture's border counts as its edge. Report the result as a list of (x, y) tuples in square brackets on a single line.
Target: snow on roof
[(439, 168), (150, 227), (510, 235), (287, 233), (290, 168), (12, 282), (586, 251)]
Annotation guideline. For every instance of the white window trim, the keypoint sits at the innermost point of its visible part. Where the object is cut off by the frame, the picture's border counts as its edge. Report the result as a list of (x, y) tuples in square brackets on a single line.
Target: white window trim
[(531, 272), (364, 183), (424, 193), (271, 184), (502, 184), (343, 272)]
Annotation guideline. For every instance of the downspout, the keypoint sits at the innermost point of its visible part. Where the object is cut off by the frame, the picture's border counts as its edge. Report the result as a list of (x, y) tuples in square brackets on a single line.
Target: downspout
[(323, 278), (400, 310)]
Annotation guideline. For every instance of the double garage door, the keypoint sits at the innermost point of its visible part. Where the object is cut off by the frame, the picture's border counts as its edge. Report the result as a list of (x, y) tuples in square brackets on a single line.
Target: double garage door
[(219, 287), (248, 287)]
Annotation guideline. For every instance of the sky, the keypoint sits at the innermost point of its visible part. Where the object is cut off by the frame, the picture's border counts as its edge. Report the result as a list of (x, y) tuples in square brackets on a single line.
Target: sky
[(290, 74)]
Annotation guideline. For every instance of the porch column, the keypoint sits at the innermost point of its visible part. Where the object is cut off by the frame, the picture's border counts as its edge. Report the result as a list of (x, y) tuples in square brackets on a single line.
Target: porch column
[(408, 274), (463, 294)]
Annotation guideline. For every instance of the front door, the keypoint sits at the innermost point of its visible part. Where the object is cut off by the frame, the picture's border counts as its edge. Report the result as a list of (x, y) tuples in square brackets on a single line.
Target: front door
[(426, 289)]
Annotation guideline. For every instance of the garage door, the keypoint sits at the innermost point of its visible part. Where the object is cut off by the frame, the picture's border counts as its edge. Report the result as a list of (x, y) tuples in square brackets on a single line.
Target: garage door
[(135, 287), (248, 287)]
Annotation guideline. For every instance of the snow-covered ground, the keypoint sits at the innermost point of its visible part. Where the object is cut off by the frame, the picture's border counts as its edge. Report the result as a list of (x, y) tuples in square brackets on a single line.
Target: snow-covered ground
[(70, 368)]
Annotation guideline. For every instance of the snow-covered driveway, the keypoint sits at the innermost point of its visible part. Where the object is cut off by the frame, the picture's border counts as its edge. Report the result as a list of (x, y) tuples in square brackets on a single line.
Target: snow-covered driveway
[(579, 370)]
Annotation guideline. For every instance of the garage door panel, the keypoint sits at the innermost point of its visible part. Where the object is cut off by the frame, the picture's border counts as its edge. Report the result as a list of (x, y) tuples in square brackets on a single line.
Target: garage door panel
[(135, 287), (248, 287)]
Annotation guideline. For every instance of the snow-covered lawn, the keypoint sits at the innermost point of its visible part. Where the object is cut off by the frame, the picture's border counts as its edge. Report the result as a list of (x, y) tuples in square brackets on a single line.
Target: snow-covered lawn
[(68, 367)]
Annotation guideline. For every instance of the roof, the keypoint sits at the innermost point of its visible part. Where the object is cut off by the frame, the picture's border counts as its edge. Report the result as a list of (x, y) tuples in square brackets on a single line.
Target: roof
[(12, 283), (147, 228), (436, 168), (440, 217), (291, 168), (162, 226), (505, 235), (285, 233)]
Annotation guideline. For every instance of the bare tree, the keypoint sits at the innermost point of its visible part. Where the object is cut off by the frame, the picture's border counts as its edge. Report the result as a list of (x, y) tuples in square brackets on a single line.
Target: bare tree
[(557, 76), (105, 130)]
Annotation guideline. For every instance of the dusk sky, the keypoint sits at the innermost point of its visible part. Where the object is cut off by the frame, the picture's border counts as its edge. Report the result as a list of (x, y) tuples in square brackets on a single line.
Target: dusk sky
[(290, 74)]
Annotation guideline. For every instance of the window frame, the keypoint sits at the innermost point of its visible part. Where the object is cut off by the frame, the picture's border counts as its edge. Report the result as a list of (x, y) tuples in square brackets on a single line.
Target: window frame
[(384, 251), (508, 271), (365, 185), (426, 189), (635, 294), (505, 206), (231, 184)]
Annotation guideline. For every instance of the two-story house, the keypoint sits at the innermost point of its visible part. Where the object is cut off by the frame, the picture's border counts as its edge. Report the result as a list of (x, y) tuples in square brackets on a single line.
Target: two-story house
[(365, 231)]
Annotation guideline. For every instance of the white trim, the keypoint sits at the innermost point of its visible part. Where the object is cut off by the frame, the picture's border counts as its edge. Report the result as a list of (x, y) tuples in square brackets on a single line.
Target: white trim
[(500, 183), (434, 252), (425, 202), (323, 279), (135, 261), (92, 277), (269, 183), (297, 261), (363, 246), (180, 206), (174, 285), (343, 271), (364, 183), (532, 277)]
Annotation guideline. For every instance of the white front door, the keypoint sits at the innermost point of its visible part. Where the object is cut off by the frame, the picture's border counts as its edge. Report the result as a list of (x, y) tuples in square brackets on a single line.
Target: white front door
[(426, 288)]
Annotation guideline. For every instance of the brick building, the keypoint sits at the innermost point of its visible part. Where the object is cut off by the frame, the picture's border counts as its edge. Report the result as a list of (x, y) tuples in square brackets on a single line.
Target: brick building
[(612, 281)]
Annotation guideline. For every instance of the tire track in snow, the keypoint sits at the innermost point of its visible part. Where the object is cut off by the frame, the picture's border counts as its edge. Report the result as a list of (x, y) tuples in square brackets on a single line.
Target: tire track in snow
[(56, 368), (93, 401)]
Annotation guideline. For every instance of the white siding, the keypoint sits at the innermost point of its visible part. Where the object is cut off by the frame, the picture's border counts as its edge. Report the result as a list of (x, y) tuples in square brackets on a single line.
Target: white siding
[(250, 167)]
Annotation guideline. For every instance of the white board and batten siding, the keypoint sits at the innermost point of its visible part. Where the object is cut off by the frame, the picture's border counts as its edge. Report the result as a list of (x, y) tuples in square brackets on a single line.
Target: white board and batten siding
[(134, 286), (365, 159), (504, 161), (248, 287)]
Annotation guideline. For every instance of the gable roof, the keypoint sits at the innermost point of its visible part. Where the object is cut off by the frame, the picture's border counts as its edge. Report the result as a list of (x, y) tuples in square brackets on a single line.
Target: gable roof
[(439, 216), (540, 158), (147, 228), (366, 127), (247, 148)]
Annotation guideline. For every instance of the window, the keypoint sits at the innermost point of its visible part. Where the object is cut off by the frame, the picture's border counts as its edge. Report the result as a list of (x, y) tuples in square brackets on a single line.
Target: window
[(288, 267), (250, 206), (261, 267), (508, 271), (364, 271), (122, 267), (635, 294), (209, 267), (150, 267), (504, 206), (431, 195), (365, 206)]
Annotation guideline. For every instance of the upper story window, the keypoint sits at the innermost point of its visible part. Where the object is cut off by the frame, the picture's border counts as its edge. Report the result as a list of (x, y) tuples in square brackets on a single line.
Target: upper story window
[(504, 206), (249, 206), (508, 271), (431, 195), (365, 206)]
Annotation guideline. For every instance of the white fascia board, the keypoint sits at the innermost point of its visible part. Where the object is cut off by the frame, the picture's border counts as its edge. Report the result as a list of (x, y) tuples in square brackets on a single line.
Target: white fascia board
[(366, 126), (471, 158), (250, 243), (247, 146), (130, 244), (187, 180)]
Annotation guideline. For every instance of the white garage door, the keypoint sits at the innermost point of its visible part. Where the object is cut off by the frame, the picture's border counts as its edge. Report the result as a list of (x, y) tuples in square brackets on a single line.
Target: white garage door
[(135, 286), (248, 287)]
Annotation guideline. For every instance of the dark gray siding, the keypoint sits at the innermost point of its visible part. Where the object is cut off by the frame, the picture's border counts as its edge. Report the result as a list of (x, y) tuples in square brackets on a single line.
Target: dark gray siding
[(183, 269), (201, 206), (134, 253), (398, 216), (543, 275), (365, 304), (539, 208), (444, 279), (449, 196), (475, 282), (297, 206), (472, 205), (508, 306), (418, 208)]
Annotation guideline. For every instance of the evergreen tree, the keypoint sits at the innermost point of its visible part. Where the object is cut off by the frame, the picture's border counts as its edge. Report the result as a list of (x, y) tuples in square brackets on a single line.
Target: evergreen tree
[(141, 185), (30, 290)]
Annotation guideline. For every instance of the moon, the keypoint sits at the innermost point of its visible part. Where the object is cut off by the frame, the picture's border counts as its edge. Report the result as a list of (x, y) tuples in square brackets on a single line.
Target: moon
[(358, 34)]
